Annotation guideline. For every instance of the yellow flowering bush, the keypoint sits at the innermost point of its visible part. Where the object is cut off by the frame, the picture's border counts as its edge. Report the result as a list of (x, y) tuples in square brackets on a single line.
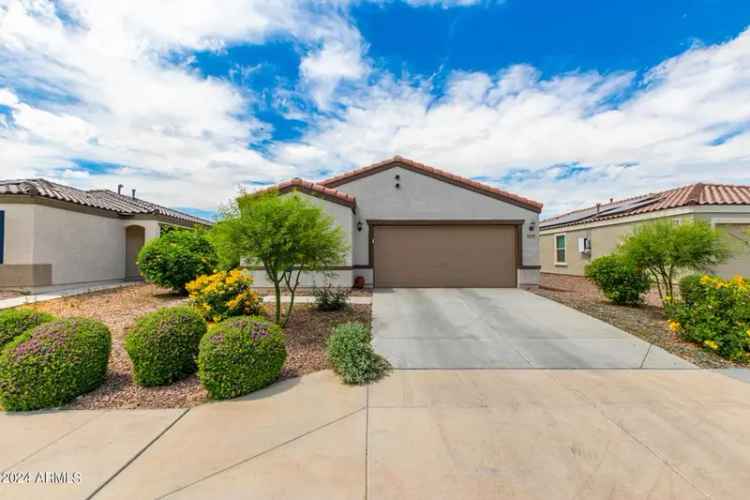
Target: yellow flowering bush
[(222, 295), (717, 315)]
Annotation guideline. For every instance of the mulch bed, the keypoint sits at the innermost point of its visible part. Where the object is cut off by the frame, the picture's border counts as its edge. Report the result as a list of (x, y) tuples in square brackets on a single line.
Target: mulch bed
[(118, 309), (646, 322)]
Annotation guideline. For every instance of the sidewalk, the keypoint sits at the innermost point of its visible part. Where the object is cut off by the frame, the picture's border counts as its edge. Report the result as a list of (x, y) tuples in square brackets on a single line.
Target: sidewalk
[(418, 434), (52, 292)]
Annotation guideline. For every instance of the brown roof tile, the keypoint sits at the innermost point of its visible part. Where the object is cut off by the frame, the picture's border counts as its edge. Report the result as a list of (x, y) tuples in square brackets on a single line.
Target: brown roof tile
[(692, 195), (103, 199), (313, 189)]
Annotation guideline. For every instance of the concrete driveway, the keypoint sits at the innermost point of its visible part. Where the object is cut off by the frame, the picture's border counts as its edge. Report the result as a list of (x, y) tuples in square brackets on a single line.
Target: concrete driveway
[(500, 328), (417, 434)]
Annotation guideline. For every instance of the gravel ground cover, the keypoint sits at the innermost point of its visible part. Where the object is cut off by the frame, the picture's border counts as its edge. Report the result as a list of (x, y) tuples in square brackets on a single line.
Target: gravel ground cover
[(118, 309), (646, 322)]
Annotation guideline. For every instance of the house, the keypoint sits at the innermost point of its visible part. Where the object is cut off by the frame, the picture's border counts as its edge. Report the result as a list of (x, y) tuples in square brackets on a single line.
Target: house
[(411, 225), (570, 241), (51, 234)]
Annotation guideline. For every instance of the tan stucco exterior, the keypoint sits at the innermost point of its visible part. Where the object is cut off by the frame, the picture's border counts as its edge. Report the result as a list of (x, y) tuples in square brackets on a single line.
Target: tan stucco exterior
[(605, 237), (53, 245), (418, 197)]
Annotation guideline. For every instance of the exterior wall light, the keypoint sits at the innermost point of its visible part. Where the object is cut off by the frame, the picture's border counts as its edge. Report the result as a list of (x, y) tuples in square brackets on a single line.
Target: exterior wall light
[(359, 225)]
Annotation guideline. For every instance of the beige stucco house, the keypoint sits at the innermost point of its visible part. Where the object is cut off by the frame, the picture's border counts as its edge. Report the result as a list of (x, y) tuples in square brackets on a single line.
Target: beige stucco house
[(51, 234), (411, 225), (570, 241)]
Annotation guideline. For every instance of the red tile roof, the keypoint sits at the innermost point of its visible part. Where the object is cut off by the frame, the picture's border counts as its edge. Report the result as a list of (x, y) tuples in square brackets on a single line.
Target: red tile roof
[(435, 173), (313, 189), (699, 194)]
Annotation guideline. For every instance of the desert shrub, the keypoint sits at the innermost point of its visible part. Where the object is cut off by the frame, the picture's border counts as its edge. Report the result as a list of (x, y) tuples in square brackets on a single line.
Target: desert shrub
[(718, 318), (13, 322), (666, 250), (330, 298), (53, 363), (176, 258), (163, 345), (690, 288), (620, 281), (224, 294), (240, 355), (350, 353)]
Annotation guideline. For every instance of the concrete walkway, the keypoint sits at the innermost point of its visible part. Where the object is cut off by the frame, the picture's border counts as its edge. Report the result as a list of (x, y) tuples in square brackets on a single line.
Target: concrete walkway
[(417, 434), (56, 292), (501, 328)]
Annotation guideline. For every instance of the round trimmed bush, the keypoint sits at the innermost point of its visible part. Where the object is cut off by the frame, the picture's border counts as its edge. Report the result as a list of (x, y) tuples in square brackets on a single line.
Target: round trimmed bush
[(240, 355), (13, 322), (163, 345), (619, 280), (54, 363), (176, 258)]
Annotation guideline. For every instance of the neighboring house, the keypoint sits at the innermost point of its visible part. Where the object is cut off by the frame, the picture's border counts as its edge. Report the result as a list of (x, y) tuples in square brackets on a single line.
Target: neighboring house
[(572, 240), (410, 225), (52, 234)]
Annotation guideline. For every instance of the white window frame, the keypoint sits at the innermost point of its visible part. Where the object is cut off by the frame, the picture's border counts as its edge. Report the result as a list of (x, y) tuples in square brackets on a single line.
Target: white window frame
[(564, 249)]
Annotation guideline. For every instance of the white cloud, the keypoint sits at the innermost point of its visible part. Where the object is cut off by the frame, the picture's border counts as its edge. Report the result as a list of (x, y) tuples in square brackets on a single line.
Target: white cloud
[(114, 94), (492, 125)]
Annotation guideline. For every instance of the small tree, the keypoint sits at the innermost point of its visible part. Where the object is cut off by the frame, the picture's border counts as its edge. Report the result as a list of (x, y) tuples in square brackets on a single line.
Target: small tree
[(665, 250), (177, 257), (287, 235)]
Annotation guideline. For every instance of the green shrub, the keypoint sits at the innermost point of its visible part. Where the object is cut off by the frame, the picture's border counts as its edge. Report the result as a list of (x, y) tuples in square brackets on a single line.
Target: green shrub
[(53, 363), (691, 288), (330, 298), (163, 345), (225, 294), (13, 322), (718, 318), (176, 258), (620, 281), (240, 355), (351, 355)]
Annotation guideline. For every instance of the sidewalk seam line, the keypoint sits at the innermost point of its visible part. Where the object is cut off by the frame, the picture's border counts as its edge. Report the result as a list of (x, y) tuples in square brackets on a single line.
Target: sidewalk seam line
[(53, 442), (646, 356), (138, 454), (259, 454)]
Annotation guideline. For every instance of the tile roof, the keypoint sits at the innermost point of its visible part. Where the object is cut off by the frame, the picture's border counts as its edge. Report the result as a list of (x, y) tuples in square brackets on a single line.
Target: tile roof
[(313, 189), (435, 173), (692, 195), (103, 199)]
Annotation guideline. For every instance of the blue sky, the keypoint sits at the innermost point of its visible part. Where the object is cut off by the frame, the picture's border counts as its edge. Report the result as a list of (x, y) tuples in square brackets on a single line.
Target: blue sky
[(568, 103)]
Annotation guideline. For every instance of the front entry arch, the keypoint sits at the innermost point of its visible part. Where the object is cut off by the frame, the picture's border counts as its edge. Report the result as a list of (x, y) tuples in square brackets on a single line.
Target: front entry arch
[(135, 237)]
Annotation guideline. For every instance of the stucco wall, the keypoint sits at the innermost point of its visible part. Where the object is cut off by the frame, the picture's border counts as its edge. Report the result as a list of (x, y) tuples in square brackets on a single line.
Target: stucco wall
[(605, 239), (422, 197), (77, 246), (81, 247), (19, 233)]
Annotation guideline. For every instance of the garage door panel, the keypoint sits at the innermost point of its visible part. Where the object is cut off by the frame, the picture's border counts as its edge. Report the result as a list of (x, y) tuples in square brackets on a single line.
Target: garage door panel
[(445, 256)]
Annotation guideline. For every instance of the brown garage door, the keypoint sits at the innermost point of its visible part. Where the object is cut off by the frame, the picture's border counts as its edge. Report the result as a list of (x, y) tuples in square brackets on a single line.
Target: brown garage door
[(445, 256)]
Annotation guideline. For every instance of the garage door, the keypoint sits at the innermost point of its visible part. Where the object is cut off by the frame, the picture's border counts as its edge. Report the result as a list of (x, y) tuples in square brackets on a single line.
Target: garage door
[(445, 256)]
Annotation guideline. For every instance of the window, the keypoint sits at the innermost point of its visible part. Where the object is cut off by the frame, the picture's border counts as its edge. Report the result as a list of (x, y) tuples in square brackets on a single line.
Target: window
[(560, 249)]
